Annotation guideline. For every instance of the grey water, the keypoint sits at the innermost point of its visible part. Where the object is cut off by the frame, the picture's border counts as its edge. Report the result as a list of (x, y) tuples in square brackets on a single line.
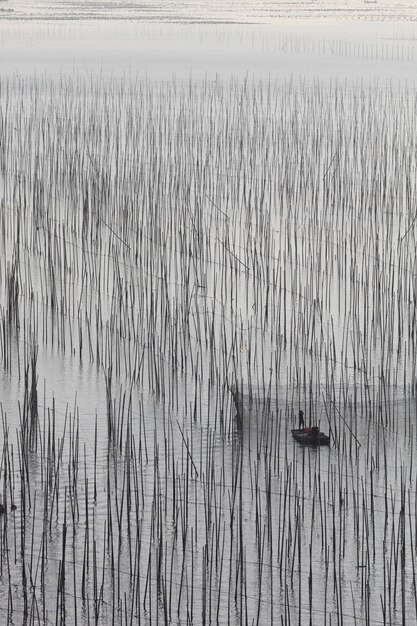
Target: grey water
[(196, 197)]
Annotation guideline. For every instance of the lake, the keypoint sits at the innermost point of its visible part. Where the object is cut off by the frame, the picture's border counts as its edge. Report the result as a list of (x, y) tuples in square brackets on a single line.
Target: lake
[(207, 223)]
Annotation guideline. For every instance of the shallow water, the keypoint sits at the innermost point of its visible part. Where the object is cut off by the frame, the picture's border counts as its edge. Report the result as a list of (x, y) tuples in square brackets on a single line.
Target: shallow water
[(192, 11), (352, 51), (184, 208)]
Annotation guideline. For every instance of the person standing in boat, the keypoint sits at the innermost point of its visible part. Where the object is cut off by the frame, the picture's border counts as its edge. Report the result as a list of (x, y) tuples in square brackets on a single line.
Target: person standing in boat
[(300, 420)]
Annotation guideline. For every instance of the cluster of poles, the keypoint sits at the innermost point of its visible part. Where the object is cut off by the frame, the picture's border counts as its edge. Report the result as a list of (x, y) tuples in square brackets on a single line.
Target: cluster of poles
[(221, 254)]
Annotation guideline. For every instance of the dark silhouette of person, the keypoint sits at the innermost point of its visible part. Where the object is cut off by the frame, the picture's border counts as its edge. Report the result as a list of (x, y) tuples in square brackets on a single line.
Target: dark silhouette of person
[(300, 419)]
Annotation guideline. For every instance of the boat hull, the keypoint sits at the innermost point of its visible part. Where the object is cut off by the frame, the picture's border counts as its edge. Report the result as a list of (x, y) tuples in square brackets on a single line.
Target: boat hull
[(308, 438)]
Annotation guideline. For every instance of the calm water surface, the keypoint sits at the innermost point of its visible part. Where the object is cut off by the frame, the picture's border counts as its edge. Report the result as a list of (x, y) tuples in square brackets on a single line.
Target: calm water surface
[(191, 11), (193, 198)]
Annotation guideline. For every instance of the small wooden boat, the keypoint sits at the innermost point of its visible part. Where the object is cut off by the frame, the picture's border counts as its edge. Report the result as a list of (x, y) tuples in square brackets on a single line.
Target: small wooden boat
[(310, 436)]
